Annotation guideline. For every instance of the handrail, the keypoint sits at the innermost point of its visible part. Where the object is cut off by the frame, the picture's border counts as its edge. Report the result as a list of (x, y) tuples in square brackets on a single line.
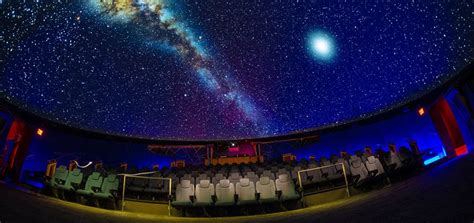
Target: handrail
[(322, 167), (140, 176)]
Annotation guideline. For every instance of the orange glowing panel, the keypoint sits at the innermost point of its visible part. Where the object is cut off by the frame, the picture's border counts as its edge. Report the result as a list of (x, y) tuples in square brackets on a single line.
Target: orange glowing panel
[(461, 150), (421, 111), (39, 132)]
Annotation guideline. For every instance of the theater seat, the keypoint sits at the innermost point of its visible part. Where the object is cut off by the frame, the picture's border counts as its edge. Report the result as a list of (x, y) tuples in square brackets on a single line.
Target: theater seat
[(137, 184), (315, 175), (245, 189), (59, 177), (73, 181), (216, 179), (287, 188), (234, 177), (330, 171), (225, 192), (252, 177), (266, 188), (204, 192), (93, 184), (109, 187), (358, 170), (269, 174), (184, 192), (374, 166), (394, 160), (154, 185)]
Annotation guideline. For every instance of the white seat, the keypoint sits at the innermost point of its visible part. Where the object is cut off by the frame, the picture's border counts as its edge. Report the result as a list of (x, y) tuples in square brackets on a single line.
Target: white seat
[(316, 175), (395, 159), (245, 189), (204, 192), (373, 164), (287, 188), (184, 192), (225, 192), (358, 169), (266, 188)]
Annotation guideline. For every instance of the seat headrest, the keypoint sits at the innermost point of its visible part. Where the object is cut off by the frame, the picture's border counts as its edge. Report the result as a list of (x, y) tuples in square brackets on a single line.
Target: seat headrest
[(250, 174), (95, 175), (234, 175), (204, 184), (111, 178), (244, 182), (354, 157), (62, 168), (224, 183), (371, 159), (264, 180), (356, 163), (185, 183), (283, 178)]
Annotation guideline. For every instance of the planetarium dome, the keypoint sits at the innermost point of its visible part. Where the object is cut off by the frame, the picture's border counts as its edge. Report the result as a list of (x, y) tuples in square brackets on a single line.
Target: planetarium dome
[(216, 70)]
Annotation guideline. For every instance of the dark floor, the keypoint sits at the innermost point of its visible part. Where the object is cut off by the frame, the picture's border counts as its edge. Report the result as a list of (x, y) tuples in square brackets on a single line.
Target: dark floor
[(442, 194)]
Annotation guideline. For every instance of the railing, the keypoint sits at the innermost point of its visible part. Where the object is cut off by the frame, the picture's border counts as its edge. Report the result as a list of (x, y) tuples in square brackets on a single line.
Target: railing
[(322, 167), (141, 176)]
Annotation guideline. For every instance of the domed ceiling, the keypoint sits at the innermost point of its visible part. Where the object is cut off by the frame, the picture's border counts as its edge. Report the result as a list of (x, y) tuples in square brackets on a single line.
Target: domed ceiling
[(209, 70)]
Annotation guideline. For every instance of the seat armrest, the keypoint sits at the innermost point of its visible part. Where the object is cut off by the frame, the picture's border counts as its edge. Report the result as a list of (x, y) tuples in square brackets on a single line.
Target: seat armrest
[(114, 193), (236, 197), (214, 198), (170, 197), (75, 186), (95, 189), (325, 175), (191, 198), (278, 193), (257, 195)]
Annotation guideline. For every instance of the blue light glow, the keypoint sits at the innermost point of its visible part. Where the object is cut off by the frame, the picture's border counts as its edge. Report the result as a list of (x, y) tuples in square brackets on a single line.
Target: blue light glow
[(322, 46), (432, 160)]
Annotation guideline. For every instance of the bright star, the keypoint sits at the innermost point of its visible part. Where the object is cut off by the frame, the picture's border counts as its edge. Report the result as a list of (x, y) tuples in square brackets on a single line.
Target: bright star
[(321, 46)]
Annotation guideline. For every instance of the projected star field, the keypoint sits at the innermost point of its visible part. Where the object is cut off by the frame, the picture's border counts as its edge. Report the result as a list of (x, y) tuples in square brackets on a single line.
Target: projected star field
[(213, 70)]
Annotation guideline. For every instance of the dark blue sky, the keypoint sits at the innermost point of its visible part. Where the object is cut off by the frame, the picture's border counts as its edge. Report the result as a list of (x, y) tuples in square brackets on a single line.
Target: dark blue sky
[(225, 70)]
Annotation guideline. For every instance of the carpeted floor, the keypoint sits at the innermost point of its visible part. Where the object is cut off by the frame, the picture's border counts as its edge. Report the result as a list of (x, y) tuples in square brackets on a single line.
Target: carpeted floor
[(442, 194)]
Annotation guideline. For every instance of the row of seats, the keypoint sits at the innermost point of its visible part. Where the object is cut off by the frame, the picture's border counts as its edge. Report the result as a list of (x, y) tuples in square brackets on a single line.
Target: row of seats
[(359, 168), (96, 186), (226, 193)]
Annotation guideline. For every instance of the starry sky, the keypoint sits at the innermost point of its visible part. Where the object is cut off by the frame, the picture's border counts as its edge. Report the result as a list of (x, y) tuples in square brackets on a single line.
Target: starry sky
[(213, 70)]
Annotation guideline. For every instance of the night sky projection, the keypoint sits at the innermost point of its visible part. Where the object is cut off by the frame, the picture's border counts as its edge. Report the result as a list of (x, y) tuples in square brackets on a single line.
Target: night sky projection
[(205, 70)]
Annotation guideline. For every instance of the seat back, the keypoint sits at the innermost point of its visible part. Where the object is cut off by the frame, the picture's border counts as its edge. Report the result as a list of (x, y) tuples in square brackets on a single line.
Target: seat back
[(252, 176), (204, 191), (184, 191), (266, 188), (60, 175), (225, 191), (234, 177), (111, 183), (217, 178), (285, 185), (395, 159), (155, 183), (374, 164), (74, 177), (245, 189), (357, 168), (94, 180)]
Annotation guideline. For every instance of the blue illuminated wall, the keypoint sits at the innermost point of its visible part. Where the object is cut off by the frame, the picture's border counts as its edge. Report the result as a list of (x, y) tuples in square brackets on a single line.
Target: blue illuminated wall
[(399, 129), (64, 147)]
